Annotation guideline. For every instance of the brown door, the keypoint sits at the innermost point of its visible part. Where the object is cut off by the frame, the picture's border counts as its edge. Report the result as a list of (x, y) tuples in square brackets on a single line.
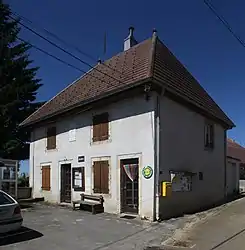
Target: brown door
[(65, 191), (130, 185)]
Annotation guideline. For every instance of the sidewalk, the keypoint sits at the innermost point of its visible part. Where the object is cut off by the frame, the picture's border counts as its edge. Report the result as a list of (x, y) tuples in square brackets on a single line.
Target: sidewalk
[(223, 231)]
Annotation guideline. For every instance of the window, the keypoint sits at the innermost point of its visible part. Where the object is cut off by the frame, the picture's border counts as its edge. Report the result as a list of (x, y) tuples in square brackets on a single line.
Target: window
[(209, 135), (101, 177), (78, 179), (51, 138), (101, 127), (46, 178), (4, 199), (242, 171)]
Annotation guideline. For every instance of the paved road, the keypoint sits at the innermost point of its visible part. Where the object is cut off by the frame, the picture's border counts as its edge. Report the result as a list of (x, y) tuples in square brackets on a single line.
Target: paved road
[(225, 231), (57, 228)]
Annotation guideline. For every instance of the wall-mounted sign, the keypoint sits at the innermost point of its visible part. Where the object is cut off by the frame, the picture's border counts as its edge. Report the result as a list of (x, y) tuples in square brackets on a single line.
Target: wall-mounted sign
[(147, 172), (81, 158), (78, 181)]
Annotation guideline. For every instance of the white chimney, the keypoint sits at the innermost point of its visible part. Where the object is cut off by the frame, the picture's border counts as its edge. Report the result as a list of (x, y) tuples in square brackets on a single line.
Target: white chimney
[(130, 40)]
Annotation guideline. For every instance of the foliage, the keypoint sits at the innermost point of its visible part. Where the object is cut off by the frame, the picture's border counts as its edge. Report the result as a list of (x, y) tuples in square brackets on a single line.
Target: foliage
[(23, 180), (18, 88)]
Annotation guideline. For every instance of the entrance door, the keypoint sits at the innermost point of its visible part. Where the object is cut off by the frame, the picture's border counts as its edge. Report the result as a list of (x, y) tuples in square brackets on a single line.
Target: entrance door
[(129, 185), (65, 191)]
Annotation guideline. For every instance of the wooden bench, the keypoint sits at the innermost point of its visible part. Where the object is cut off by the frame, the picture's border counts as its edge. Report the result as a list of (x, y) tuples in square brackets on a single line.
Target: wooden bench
[(93, 201)]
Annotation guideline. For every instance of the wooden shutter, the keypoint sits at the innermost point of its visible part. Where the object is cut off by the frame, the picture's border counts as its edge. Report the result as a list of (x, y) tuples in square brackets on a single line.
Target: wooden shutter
[(104, 177), (101, 127), (46, 178), (82, 171), (97, 174), (51, 138)]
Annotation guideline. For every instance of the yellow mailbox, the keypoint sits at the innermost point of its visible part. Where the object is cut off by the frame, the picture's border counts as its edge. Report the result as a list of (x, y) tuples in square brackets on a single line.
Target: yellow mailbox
[(166, 189)]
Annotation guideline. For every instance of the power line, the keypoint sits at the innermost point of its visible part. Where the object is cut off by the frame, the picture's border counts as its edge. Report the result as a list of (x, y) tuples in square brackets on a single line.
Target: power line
[(60, 48), (50, 55), (53, 35), (224, 22), (58, 59), (62, 40)]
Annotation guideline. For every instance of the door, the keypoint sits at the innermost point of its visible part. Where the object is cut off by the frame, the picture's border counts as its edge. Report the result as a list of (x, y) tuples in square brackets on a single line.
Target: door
[(129, 185), (65, 191)]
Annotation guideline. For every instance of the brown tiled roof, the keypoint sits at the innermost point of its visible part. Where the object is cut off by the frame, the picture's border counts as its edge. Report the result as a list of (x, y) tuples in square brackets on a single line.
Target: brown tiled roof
[(235, 150), (149, 59)]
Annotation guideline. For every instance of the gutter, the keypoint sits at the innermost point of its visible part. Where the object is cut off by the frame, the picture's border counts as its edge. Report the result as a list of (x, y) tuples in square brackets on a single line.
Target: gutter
[(156, 188)]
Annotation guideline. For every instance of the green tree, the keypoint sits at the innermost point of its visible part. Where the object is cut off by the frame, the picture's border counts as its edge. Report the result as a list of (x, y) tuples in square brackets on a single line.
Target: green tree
[(18, 88)]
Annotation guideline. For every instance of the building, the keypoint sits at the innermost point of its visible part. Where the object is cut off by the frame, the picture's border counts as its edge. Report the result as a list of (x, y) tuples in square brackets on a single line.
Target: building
[(125, 130), (236, 167)]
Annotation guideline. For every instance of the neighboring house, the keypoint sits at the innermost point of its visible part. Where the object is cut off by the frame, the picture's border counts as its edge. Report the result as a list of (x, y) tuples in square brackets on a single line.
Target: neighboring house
[(236, 158), (122, 130)]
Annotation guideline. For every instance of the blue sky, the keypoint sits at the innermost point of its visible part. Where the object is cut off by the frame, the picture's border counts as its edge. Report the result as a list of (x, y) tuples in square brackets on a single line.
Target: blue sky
[(188, 28)]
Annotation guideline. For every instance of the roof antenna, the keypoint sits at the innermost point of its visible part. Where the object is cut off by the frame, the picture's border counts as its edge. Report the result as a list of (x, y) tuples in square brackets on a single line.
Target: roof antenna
[(104, 46)]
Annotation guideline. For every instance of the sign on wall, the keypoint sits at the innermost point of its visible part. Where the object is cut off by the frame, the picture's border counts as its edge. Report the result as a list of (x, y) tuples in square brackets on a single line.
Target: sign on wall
[(181, 181), (81, 158), (78, 179), (147, 172)]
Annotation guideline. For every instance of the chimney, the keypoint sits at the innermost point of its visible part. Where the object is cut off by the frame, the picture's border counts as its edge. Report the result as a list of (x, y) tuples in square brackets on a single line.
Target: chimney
[(130, 40)]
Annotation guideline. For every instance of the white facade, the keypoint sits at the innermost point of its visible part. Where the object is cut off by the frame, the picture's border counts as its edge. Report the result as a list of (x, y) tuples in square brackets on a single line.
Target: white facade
[(132, 135), (131, 131)]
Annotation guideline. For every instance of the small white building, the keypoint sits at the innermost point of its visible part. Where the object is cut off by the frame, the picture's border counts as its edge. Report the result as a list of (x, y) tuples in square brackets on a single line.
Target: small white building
[(129, 125)]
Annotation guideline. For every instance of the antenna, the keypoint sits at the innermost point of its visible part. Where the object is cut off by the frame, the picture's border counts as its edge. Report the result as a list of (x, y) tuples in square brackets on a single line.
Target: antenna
[(104, 49)]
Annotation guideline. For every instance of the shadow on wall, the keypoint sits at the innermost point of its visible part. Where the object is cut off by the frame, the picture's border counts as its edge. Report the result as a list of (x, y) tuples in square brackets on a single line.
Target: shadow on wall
[(24, 234), (128, 107)]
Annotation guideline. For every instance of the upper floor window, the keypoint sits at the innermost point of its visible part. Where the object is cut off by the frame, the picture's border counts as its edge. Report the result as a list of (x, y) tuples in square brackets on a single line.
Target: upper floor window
[(101, 127), (51, 138), (209, 135)]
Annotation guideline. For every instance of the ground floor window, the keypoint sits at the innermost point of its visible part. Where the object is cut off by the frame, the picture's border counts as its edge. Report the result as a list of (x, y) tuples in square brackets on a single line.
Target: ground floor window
[(46, 178), (101, 177)]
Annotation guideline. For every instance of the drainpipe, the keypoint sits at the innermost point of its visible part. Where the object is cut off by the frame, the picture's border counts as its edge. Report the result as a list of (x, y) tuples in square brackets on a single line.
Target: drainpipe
[(33, 164), (225, 165), (156, 157)]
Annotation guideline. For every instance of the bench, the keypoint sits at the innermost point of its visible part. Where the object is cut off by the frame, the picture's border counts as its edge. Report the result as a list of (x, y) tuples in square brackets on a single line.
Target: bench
[(93, 201)]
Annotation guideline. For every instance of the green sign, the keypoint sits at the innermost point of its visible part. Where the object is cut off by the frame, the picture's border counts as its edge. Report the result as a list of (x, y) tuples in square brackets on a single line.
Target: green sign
[(147, 172)]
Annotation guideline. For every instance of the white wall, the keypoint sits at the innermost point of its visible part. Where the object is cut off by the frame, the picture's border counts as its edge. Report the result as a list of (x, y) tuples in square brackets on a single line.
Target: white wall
[(131, 130), (182, 149)]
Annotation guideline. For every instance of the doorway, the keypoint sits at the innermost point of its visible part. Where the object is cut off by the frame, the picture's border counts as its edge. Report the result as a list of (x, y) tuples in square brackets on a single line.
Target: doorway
[(129, 173), (65, 190)]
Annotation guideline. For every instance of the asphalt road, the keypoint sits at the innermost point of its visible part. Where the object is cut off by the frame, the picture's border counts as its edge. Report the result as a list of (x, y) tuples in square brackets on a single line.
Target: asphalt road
[(56, 228), (224, 231)]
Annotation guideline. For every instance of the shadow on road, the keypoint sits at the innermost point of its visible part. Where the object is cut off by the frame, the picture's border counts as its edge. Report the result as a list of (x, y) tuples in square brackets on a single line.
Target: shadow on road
[(24, 234)]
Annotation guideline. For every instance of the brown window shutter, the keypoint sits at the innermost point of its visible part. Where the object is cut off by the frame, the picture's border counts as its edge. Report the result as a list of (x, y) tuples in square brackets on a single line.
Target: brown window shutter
[(46, 178), (97, 174), (96, 132), (51, 138), (101, 127), (104, 177)]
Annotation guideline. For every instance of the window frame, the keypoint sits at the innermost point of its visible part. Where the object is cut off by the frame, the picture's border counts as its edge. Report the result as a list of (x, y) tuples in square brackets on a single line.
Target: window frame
[(209, 135)]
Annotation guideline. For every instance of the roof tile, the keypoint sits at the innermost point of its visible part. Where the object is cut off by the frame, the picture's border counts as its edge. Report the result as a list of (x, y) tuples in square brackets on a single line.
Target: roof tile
[(149, 59)]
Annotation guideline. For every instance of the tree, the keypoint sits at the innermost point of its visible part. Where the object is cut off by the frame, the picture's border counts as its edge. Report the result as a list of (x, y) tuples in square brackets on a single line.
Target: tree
[(18, 88)]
